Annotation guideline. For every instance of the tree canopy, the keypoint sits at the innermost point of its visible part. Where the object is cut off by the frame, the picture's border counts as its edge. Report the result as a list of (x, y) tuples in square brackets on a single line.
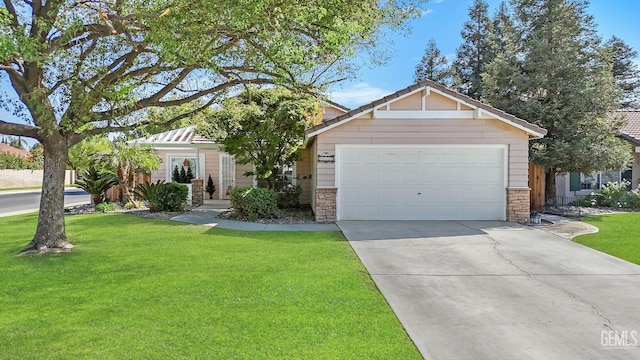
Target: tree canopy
[(433, 66), (79, 68), (554, 72), (475, 52), (264, 127)]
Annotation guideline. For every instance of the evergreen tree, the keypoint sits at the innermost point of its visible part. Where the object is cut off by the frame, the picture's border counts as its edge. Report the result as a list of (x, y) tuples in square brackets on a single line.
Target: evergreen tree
[(189, 175), (625, 72), (211, 187), (475, 52), (553, 72), (175, 176), (183, 176), (434, 66)]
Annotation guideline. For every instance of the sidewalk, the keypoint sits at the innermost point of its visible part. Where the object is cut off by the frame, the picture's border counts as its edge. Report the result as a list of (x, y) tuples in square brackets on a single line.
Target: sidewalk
[(565, 227), (207, 215)]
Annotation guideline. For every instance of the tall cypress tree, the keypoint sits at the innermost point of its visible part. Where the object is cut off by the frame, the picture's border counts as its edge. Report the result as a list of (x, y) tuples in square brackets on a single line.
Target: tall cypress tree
[(625, 72), (475, 52), (433, 66), (554, 73)]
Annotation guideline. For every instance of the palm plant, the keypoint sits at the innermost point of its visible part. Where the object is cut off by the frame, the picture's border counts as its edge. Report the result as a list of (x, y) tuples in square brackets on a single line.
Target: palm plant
[(96, 182), (149, 192), (128, 159)]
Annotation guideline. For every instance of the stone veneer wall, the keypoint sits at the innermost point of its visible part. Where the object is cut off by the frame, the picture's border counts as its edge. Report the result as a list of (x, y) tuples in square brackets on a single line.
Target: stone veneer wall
[(197, 192), (325, 204), (518, 205)]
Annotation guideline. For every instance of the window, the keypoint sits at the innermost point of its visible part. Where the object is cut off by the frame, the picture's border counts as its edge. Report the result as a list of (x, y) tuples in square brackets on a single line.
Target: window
[(182, 162), (595, 181)]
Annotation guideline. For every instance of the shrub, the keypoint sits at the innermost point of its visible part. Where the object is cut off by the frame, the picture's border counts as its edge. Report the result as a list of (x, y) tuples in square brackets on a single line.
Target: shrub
[(107, 206), (211, 187), (16, 162), (612, 194), (289, 196), (133, 204), (96, 183), (172, 196), (631, 200), (255, 203), (150, 192)]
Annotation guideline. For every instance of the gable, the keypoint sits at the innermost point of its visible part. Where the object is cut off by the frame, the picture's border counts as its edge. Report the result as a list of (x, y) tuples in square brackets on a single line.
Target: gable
[(427, 100)]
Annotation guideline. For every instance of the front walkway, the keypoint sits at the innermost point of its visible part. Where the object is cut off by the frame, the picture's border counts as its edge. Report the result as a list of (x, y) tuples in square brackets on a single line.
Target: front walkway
[(207, 215)]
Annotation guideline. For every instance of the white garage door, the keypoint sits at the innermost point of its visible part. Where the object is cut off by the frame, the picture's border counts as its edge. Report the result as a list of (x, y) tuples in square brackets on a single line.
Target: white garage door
[(421, 184)]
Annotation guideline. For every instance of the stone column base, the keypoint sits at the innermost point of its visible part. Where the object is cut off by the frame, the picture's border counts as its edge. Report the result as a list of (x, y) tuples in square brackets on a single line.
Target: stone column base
[(326, 204), (197, 192), (518, 205)]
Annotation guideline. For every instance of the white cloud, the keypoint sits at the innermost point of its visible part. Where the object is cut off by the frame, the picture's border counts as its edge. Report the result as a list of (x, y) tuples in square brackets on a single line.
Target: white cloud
[(425, 12), (358, 94)]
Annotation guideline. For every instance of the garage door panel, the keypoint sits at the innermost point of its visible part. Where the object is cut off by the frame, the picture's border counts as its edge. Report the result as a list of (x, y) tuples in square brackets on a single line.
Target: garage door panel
[(370, 158), (412, 158), (428, 157), (425, 183)]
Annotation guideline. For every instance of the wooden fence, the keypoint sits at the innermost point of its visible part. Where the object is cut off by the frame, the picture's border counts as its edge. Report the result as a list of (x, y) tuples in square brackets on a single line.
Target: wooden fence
[(115, 193), (536, 184)]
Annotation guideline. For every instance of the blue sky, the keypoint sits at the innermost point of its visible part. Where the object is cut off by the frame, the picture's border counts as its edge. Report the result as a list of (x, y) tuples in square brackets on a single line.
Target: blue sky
[(442, 21)]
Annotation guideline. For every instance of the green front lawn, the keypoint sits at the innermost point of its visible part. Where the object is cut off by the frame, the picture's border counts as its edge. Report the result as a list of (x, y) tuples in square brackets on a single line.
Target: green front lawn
[(153, 289), (619, 235)]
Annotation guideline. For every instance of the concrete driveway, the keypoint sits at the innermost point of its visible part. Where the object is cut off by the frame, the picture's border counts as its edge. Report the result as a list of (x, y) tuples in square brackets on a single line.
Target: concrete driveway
[(494, 290)]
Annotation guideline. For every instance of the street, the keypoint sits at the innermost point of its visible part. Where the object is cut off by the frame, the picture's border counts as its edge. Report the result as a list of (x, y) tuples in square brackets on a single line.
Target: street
[(20, 202)]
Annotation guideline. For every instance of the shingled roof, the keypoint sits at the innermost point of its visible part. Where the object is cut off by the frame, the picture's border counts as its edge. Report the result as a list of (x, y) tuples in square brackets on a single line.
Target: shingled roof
[(15, 151), (631, 130), (533, 129)]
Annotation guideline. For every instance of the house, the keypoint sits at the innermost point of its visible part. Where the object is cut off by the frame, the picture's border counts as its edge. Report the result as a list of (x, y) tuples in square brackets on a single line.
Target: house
[(6, 148), (572, 185), (184, 148), (424, 152)]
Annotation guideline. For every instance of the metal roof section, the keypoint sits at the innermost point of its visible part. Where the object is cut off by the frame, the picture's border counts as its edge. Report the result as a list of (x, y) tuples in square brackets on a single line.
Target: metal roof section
[(178, 137)]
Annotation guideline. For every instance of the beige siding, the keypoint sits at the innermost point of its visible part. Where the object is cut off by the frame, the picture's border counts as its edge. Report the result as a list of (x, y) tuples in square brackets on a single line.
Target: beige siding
[(331, 112), (303, 175), (439, 102), (241, 180), (427, 132), (413, 102)]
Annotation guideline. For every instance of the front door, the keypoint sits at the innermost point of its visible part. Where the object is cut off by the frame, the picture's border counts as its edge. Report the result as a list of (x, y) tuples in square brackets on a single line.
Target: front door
[(227, 175)]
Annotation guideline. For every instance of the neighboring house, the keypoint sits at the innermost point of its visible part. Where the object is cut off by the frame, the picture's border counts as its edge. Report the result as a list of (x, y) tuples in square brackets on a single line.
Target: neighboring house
[(571, 185), (424, 152), (184, 147), (15, 151)]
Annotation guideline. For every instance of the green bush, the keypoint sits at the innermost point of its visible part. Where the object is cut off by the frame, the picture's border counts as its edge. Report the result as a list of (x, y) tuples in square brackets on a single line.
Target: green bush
[(107, 206), (631, 200), (133, 204), (613, 194), (150, 192), (255, 203), (172, 196), (289, 196), (15, 162)]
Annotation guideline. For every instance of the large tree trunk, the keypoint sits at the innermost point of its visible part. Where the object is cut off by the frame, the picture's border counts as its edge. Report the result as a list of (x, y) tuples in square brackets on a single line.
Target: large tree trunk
[(50, 233), (550, 187)]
